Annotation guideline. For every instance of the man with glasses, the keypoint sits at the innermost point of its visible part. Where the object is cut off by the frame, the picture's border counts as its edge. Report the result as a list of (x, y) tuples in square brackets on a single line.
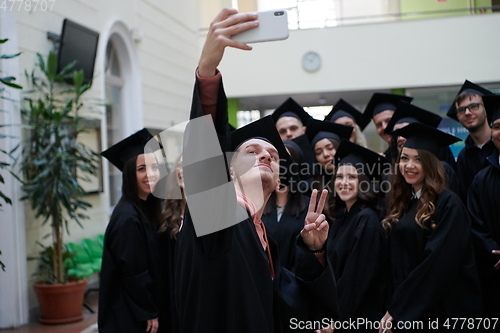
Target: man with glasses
[(468, 108)]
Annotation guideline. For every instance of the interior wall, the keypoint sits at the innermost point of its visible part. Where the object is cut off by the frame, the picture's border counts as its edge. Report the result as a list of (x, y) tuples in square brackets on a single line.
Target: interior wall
[(165, 39)]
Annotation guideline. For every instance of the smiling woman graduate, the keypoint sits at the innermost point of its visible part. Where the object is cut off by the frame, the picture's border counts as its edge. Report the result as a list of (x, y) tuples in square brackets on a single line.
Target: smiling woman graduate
[(433, 270), (357, 245), (324, 139), (129, 280)]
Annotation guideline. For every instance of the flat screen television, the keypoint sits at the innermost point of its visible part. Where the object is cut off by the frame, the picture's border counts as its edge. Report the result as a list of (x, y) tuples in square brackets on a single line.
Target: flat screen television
[(78, 43)]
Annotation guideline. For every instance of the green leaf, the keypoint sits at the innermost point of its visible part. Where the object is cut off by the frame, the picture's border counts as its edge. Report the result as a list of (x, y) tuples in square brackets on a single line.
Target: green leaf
[(9, 56), (78, 81), (8, 81), (41, 64)]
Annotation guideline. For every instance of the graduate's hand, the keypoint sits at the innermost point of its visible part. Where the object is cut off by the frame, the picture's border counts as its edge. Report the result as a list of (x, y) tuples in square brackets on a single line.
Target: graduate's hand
[(315, 231), (385, 327), (219, 35), (152, 325), (497, 265)]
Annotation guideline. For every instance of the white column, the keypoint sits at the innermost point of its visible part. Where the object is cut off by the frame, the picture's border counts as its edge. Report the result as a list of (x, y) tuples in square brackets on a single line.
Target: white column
[(14, 308)]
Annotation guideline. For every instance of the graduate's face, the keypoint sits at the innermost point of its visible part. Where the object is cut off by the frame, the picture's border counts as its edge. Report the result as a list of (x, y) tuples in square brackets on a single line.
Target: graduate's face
[(495, 133), (347, 184), (257, 159), (472, 119), (147, 174), (325, 151), (290, 128), (348, 122), (381, 120), (411, 168), (401, 140)]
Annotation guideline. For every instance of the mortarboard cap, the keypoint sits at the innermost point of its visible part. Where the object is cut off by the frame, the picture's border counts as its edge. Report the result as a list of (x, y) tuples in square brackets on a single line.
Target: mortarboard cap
[(383, 101), (467, 86), (290, 108), (492, 106), (369, 162), (132, 146), (420, 136), (264, 129), (409, 113), (344, 109), (318, 130)]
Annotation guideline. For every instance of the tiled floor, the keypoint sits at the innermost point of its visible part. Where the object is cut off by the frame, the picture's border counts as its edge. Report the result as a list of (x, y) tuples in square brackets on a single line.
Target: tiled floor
[(87, 325)]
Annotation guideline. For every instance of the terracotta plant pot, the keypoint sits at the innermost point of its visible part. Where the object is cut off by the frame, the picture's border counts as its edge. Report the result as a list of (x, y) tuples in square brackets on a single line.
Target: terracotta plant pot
[(60, 303)]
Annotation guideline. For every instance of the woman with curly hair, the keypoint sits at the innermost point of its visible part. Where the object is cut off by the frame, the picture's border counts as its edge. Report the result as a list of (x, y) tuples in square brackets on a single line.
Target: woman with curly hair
[(433, 270)]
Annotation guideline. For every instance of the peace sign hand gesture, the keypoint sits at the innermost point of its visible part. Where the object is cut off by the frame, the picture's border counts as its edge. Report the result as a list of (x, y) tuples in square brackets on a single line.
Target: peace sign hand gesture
[(316, 227)]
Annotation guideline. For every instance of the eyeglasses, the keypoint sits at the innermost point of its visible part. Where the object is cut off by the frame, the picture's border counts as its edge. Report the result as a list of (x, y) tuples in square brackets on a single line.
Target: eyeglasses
[(472, 107)]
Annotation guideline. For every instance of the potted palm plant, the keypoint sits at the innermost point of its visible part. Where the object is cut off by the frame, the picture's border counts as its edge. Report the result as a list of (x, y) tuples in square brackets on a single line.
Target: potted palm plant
[(53, 162)]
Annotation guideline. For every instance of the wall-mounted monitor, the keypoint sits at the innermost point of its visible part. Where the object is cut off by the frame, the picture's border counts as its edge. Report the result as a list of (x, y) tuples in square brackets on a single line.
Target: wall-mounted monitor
[(78, 43)]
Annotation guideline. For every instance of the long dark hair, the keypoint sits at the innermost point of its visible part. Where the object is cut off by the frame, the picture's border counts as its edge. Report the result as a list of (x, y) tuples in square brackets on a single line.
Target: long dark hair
[(401, 192), (294, 206), (366, 197), (150, 211)]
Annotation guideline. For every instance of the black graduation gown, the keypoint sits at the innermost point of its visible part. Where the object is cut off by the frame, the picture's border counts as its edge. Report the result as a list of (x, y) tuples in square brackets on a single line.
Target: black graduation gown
[(285, 231), (357, 249), (451, 178), (223, 283), (470, 161), (223, 279), (434, 273), (484, 206), (168, 313), (128, 292)]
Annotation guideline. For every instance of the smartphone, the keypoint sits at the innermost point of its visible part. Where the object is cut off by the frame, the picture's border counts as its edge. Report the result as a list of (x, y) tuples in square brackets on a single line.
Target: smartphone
[(273, 25)]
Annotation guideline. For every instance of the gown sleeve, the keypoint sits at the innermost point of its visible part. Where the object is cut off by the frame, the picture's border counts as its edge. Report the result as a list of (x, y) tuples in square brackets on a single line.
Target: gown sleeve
[(317, 282), (442, 258), (203, 174)]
